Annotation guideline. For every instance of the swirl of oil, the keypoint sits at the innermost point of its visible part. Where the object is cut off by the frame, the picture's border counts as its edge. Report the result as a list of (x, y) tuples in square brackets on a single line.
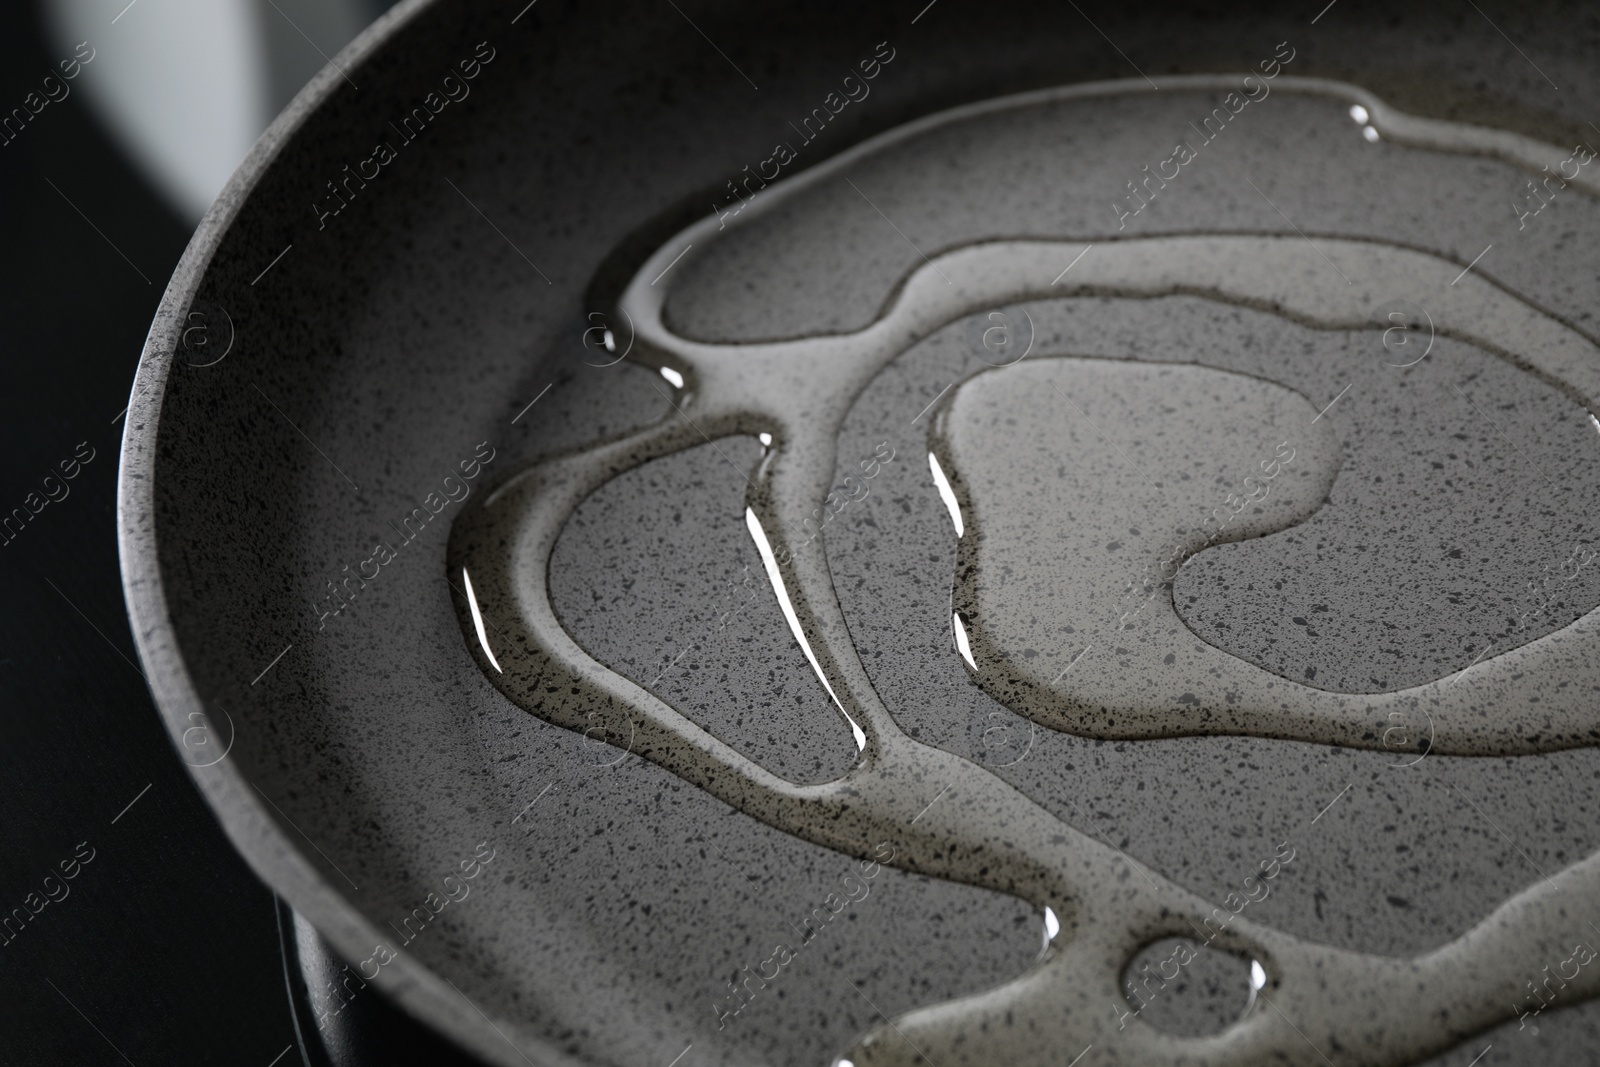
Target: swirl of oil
[(1346, 1007)]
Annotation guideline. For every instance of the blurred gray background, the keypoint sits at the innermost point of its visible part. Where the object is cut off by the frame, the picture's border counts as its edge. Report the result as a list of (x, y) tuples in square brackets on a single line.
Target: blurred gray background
[(185, 87)]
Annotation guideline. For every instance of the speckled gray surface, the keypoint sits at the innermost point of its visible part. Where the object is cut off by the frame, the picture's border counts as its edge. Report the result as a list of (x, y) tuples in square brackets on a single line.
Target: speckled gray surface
[(1181, 987), (407, 332), (1370, 1008), (1379, 888), (1444, 587), (706, 649)]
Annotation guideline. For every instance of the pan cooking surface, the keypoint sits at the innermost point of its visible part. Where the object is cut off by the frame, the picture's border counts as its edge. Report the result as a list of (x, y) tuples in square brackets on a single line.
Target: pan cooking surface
[(1064, 575)]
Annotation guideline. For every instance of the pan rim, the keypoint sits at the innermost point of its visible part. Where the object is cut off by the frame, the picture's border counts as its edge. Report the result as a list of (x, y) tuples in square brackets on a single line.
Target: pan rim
[(255, 834)]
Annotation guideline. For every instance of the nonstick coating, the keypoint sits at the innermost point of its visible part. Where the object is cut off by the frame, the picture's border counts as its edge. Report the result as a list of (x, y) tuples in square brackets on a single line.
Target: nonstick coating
[(385, 330)]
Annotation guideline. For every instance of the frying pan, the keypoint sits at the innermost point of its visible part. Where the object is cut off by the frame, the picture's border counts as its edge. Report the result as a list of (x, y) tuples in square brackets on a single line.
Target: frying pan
[(402, 280)]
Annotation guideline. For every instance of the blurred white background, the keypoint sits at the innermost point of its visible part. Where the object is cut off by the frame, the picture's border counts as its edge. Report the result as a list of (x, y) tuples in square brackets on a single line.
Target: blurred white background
[(186, 86)]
